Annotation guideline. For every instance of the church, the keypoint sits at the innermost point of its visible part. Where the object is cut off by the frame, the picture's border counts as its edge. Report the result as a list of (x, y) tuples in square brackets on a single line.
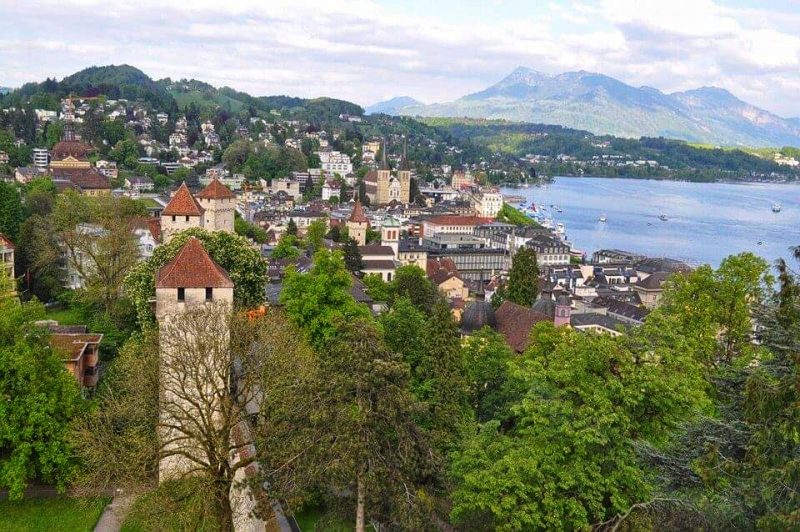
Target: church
[(383, 188)]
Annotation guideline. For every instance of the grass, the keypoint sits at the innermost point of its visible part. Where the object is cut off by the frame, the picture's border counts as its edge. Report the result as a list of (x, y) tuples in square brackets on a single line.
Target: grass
[(314, 519), (150, 203), (65, 316), (74, 515)]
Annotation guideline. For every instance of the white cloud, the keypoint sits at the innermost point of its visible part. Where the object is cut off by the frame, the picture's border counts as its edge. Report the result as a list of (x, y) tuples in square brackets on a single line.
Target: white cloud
[(364, 51)]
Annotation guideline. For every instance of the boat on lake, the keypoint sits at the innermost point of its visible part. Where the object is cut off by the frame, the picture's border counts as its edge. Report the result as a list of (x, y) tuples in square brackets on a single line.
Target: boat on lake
[(602, 218), (663, 218), (776, 207)]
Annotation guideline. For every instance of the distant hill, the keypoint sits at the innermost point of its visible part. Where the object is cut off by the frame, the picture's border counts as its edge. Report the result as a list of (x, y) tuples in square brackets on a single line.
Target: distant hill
[(125, 81), (603, 105), (391, 106)]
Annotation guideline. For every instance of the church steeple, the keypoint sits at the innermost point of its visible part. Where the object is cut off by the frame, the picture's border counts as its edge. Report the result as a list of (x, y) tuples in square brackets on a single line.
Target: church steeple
[(384, 164), (404, 162)]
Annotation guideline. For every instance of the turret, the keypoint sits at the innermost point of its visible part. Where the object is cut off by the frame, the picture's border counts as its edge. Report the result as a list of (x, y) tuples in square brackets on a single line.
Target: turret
[(219, 204), (181, 213), (390, 234)]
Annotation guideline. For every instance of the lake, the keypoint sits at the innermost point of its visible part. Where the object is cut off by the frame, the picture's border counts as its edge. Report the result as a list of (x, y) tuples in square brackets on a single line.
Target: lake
[(707, 221)]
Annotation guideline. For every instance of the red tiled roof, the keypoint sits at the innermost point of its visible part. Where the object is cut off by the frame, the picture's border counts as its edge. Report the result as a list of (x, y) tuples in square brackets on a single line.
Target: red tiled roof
[(192, 267), (432, 266), (155, 228), (358, 215), (216, 190), (8, 244), (83, 178), (515, 323), (73, 345), (183, 204), (70, 148), (458, 220)]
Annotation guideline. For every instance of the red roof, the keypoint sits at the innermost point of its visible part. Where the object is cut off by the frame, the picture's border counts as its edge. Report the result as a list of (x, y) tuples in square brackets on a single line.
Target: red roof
[(70, 148), (8, 244), (192, 267), (83, 178), (183, 204), (358, 215), (216, 190), (515, 323)]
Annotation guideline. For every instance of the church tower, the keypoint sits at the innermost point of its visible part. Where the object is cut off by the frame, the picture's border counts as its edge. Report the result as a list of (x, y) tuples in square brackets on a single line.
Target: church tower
[(219, 204), (390, 234), (404, 176), (358, 224), (563, 311), (192, 278)]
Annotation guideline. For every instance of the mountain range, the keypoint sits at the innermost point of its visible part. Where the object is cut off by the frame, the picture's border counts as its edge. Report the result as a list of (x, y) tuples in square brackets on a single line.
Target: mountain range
[(603, 105)]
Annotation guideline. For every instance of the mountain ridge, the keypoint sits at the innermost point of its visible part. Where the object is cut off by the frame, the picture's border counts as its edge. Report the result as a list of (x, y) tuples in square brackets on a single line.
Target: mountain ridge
[(601, 104)]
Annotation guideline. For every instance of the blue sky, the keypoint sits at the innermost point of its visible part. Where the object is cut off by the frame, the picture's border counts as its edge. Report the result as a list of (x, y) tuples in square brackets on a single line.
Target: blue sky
[(369, 50)]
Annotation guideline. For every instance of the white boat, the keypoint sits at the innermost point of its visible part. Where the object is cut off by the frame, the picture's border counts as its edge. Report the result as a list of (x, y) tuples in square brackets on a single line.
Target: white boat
[(560, 228), (663, 218), (602, 218), (776, 207), (547, 223)]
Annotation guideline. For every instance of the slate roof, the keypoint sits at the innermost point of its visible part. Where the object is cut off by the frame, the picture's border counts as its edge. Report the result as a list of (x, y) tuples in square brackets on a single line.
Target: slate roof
[(598, 320), (183, 204), (192, 267), (654, 281), (376, 249)]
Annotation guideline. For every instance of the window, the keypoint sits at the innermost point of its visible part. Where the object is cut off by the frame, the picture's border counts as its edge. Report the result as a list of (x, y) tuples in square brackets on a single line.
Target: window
[(173, 217), (181, 294), (209, 293), (187, 218)]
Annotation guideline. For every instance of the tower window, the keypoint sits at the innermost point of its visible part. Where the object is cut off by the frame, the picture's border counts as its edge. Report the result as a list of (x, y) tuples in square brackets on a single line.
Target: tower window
[(187, 218), (209, 293), (173, 217), (181, 294)]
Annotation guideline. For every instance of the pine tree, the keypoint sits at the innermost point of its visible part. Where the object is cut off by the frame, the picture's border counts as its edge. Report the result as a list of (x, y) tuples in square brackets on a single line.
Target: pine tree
[(291, 227), (523, 278), (352, 256)]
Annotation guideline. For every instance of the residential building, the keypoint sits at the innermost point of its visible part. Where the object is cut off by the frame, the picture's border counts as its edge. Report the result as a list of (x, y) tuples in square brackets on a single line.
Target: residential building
[(651, 288), (287, 185), (80, 351), (7, 256), (107, 168), (462, 179), (450, 224), (334, 162), (550, 251), (40, 157), (487, 203), (139, 184)]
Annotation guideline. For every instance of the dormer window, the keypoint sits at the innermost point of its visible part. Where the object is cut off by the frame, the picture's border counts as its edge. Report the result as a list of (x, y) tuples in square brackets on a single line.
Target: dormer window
[(181, 294), (209, 293)]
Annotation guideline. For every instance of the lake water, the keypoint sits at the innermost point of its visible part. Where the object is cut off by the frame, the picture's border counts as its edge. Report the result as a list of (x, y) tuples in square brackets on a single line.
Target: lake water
[(707, 221)]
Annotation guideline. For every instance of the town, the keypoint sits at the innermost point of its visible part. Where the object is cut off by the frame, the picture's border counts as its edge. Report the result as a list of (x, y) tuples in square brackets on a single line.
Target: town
[(289, 313)]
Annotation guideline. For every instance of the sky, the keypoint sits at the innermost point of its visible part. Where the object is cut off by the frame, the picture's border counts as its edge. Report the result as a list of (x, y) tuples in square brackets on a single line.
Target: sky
[(369, 50)]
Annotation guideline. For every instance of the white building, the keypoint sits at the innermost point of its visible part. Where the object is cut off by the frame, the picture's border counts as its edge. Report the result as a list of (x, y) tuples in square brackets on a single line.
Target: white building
[(335, 162), (41, 158)]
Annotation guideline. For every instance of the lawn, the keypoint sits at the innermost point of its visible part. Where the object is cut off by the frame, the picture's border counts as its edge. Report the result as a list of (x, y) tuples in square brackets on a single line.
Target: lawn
[(65, 316), (33, 515), (150, 203)]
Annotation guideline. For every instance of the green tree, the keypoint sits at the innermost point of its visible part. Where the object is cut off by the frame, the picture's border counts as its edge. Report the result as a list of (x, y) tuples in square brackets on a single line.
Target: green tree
[(374, 445), (11, 214), (440, 382), (291, 227), (523, 278), (316, 301), (249, 230), (245, 266), (568, 459), (287, 248), (315, 234), (377, 288), (352, 256), (404, 329), (487, 359), (412, 283), (40, 399)]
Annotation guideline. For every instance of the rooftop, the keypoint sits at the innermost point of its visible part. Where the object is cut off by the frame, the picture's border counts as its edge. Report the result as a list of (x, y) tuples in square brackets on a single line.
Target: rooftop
[(192, 267)]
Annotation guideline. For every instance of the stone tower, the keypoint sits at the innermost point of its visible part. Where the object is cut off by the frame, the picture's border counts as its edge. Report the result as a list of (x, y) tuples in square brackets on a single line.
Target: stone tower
[(181, 213), (192, 278), (390, 233), (562, 311), (404, 176), (357, 224), (220, 207)]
